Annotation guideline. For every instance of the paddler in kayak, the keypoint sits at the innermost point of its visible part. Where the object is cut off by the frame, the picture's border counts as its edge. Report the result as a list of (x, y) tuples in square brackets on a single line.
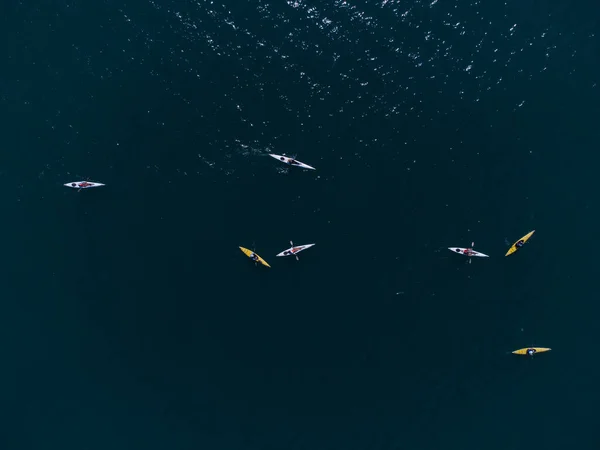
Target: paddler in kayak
[(520, 243), (530, 351), (288, 160), (469, 251), (81, 185), (254, 257)]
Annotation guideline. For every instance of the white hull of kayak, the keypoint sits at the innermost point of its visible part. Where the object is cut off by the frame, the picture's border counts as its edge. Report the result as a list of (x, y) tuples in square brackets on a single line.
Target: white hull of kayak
[(461, 251), (286, 160), (82, 184), (295, 250)]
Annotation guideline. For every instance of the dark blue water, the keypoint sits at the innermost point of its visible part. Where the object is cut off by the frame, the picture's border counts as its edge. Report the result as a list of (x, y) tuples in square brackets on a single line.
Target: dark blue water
[(131, 320)]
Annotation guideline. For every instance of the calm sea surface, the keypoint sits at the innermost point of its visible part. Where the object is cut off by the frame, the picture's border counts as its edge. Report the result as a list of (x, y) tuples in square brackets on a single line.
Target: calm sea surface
[(130, 319)]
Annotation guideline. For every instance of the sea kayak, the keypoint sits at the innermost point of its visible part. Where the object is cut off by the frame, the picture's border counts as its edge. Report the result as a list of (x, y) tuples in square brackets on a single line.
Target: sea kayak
[(463, 251), (249, 253), (514, 247), (82, 184), (294, 249), (291, 161), (523, 351)]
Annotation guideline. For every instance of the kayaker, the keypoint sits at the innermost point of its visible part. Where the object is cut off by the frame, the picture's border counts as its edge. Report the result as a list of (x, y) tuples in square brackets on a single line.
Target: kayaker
[(254, 257), (530, 351), (519, 243), (292, 161), (469, 251)]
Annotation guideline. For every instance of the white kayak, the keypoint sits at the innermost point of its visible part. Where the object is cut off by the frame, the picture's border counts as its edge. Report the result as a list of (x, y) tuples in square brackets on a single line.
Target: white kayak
[(294, 249), (83, 184), (291, 161), (467, 252)]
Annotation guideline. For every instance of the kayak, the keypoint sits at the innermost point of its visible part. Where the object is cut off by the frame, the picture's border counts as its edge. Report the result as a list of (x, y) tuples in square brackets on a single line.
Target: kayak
[(248, 253), (461, 251), (514, 248), (82, 184), (523, 351), (293, 250), (287, 160)]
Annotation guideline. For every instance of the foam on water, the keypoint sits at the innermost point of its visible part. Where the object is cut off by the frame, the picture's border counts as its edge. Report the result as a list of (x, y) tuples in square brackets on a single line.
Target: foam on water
[(325, 64)]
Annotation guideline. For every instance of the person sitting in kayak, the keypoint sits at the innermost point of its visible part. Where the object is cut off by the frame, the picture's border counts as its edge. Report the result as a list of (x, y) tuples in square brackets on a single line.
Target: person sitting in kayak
[(531, 351), (84, 184), (519, 243), (468, 251), (254, 257)]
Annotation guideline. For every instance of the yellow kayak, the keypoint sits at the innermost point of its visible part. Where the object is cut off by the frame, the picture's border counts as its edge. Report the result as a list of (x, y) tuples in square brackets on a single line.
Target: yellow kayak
[(249, 253), (523, 351), (514, 248)]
